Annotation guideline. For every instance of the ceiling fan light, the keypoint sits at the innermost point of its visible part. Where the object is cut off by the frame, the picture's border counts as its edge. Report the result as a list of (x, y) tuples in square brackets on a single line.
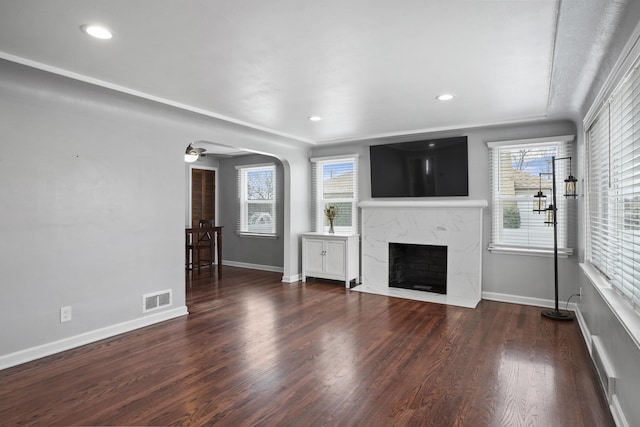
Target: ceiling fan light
[(191, 154), (190, 158)]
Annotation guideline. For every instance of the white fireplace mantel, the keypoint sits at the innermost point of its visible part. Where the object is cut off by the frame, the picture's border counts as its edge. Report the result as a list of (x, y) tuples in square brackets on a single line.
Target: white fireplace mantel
[(456, 224), (458, 204)]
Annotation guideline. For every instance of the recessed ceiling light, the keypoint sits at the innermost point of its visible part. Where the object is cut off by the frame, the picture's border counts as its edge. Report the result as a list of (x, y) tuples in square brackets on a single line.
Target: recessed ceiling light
[(445, 97), (315, 118), (97, 31)]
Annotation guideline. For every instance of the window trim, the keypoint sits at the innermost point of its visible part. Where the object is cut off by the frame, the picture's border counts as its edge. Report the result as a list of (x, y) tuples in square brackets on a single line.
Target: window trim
[(548, 139), (619, 305), (615, 299), (546, 253), (241, 170), (502, 249), (318, 216)]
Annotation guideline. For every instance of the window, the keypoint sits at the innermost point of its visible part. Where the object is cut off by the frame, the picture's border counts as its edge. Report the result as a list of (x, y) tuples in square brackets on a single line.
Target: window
[(613, 189), (335, 182), (519, 170), (257, 199)]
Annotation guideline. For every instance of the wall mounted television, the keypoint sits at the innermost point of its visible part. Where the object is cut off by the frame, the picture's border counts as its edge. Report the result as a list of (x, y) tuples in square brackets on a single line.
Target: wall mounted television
[(428, 168)]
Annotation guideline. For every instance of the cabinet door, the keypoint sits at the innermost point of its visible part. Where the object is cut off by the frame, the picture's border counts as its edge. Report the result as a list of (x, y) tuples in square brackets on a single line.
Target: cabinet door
[(313, 256), (335, 255)]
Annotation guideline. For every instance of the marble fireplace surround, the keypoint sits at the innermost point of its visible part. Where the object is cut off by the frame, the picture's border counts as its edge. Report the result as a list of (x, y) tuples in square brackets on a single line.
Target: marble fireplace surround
[(456, 224)]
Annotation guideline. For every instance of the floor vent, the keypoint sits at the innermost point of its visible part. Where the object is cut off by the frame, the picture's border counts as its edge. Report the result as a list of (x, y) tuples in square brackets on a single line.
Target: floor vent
[(605, 371), (156, 300)]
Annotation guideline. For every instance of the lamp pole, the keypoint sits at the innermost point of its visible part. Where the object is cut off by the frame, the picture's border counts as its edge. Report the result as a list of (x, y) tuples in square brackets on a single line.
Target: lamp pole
[(556, 314)]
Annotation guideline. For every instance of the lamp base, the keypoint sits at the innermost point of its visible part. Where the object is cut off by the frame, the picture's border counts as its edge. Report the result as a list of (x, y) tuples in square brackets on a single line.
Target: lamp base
[(557, 315)]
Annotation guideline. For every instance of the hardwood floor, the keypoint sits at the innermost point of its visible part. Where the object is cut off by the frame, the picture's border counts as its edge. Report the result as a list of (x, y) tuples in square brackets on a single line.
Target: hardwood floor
[(255, 351)]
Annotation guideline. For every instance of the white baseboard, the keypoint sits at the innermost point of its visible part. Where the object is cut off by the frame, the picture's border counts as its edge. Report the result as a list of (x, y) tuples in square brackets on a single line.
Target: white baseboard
[(586, 334), (285, 279), (517, 299), (253, 266), (292, 279), (616, 412), (33, 353)]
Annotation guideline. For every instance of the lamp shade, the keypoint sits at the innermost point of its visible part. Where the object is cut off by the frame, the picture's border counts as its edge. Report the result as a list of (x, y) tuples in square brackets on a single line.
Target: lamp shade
[(551, 215), (570, 186), (539, 202)]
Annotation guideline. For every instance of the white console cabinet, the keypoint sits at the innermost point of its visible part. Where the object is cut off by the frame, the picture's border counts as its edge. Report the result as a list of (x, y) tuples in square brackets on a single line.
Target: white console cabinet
[(331, 256)]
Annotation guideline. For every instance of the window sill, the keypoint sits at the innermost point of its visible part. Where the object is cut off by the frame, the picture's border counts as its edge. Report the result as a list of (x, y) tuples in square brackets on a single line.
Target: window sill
[(258, 235), (619, 305), (547, 253)]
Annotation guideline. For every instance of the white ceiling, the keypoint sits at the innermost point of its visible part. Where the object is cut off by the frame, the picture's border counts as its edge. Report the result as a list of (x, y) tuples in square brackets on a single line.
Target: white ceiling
[(370, 68)]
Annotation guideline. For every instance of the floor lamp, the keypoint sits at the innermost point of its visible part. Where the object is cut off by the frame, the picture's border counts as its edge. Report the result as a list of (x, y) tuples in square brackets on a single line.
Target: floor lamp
[(551, 219)]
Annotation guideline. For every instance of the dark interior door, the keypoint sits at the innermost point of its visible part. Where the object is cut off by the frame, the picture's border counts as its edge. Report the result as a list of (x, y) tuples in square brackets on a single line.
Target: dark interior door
[(203, 200)]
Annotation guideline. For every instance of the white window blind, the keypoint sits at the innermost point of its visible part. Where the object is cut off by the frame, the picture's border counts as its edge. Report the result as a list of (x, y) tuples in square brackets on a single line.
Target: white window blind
[(519, 169), (335, 182), (257, 199), (613, 197)]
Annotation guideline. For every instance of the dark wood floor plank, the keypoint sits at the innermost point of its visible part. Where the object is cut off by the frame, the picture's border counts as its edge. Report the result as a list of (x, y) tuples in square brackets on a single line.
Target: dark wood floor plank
[(255, 351)]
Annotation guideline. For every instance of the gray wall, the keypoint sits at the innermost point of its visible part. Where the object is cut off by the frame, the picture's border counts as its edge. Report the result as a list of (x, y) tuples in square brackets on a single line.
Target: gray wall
[(514, 278), (627, 14), (91, 214), (622, 352), (596, 313), (92, 190), (248, 251)]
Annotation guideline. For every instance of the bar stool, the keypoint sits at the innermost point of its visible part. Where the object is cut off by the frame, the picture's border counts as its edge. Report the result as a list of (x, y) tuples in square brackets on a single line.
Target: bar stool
[(199, 242)]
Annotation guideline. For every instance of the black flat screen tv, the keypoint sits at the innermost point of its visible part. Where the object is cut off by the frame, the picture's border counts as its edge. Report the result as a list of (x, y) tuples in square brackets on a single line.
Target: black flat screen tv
[(429, 168)]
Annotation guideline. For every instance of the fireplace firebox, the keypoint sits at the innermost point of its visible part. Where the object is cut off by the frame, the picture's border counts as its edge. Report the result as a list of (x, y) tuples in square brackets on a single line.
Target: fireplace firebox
[(418, 267)]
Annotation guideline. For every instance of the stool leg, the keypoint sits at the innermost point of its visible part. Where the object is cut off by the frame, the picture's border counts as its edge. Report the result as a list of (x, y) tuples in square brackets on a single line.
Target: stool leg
[(211, 246), (188, 253)]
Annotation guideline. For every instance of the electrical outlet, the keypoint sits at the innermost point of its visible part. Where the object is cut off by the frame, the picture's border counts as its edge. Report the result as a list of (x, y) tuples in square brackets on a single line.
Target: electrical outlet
[(65, 314)]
